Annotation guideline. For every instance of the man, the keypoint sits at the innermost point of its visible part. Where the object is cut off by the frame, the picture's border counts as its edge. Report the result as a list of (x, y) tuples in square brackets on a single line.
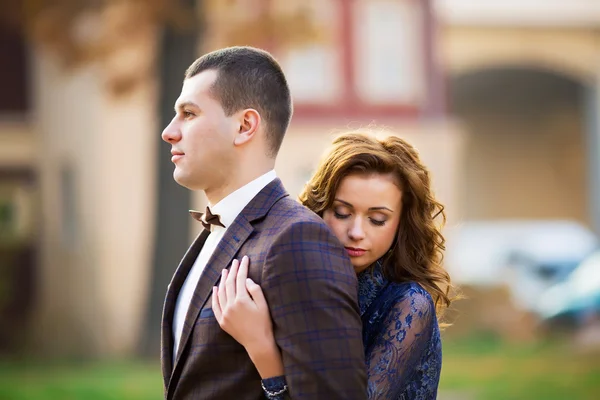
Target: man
[(231, 117)]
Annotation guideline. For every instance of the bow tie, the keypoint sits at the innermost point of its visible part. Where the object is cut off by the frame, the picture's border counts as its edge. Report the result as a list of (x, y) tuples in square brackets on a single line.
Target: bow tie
[(207, 219)]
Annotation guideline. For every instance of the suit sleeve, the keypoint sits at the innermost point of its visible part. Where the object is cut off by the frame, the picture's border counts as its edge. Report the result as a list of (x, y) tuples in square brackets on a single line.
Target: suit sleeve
[(311, 289)]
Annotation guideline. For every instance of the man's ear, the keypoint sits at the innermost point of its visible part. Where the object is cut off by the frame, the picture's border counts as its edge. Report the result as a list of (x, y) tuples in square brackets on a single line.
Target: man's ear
[(249, 122)]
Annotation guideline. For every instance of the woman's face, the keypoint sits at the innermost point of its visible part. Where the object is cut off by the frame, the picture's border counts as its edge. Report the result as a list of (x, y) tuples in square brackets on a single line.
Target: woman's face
[(365, 216)]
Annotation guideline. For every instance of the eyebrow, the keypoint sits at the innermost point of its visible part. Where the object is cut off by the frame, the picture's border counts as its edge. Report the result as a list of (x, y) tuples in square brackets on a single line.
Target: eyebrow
[(370, 209), (181, 106)]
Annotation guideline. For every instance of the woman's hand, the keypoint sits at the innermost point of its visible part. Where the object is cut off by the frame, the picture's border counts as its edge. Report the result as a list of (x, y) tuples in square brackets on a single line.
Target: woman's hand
[(242, 311)]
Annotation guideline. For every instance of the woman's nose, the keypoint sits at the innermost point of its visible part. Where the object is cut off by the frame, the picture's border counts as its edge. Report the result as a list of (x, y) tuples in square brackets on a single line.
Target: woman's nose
[(356, 231)]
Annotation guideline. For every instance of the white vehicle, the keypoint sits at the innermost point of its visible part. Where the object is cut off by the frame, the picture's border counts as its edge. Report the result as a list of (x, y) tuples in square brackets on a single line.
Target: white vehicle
[(577, 295), (528, 256)]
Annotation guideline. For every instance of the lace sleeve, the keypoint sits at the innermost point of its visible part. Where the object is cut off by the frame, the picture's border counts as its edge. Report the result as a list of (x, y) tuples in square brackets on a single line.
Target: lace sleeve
[(275, 388), (399, 347)]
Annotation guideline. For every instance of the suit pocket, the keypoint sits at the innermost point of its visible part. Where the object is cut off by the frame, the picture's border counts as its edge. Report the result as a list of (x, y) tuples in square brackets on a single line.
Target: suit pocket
[(207, 312)]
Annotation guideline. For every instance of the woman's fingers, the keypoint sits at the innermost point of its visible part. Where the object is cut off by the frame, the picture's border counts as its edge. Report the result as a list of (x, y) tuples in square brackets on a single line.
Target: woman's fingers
[(257, 294), (221, 292), (240, 307), (230, 281), (242, 274), (234, 282), (215, 303)]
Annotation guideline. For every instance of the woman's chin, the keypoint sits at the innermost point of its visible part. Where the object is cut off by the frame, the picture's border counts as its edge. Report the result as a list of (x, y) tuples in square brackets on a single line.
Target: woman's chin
[(358, 268)]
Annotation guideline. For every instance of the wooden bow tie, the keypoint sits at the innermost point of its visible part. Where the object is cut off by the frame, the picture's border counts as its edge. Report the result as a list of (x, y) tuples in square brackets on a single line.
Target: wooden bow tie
[(207, 219)]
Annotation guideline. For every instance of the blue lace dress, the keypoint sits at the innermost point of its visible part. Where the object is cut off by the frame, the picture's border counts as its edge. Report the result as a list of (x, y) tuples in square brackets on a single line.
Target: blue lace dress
[(403, 348)]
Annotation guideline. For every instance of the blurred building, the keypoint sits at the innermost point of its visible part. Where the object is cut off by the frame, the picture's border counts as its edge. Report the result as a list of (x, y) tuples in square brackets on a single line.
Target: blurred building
[(523, 82), (501, 99)]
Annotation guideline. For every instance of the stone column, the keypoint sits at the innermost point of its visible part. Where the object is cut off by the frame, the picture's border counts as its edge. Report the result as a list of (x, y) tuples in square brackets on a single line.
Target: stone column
[(592, 115)]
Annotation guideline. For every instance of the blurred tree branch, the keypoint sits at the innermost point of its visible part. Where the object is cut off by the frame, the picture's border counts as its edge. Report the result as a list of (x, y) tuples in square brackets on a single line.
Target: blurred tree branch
[(118, 33)]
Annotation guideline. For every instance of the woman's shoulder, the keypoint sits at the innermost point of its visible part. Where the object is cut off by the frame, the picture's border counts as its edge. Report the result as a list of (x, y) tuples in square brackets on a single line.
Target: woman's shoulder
[(399, 307), (410, 293), (409, 289)]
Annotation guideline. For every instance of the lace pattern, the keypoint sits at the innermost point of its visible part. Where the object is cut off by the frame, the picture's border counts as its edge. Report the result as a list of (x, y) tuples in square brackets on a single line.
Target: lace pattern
[(401, 337)]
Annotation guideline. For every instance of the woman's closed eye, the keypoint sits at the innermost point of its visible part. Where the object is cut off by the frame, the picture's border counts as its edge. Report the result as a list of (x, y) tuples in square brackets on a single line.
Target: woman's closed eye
[(339, 215), (377, 222), (374, 221)]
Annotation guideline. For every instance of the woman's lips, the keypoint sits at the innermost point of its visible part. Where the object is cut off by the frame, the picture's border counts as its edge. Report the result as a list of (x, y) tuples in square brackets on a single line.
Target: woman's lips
[(355, 252)]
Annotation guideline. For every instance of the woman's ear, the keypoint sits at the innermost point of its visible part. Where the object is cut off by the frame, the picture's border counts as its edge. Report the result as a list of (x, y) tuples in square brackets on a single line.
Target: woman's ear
[(249, 123)]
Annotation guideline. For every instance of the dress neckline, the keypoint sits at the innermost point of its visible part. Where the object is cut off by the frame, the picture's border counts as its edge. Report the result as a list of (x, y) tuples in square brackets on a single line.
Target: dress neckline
[(371, 282)]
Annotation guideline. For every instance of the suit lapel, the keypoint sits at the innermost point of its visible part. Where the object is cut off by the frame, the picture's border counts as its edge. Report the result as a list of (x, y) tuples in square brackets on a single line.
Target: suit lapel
[(171, 299), (221, 258), (224, 253)]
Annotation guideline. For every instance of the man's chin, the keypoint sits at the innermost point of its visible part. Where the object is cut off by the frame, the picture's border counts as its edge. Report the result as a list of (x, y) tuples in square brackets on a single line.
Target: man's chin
[(180, 178), (184, 180)]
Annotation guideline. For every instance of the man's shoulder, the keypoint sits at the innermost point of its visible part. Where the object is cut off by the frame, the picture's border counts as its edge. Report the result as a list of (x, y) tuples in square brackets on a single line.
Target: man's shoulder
[(290, 221), (298, 238), (288, 212)]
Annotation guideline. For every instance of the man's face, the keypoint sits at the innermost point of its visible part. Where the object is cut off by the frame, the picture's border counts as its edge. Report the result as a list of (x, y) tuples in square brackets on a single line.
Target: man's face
[(201, 135)]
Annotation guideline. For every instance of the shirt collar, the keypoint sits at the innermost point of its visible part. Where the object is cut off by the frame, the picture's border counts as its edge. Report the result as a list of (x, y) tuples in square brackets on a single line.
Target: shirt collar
[(233, 204)]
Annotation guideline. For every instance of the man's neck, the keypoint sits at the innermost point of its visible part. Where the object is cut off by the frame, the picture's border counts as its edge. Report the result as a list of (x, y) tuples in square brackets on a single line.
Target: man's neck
[(219, 193)]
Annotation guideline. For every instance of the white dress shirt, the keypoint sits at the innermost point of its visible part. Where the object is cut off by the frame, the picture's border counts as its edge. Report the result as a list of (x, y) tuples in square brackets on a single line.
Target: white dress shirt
[(228, 209)]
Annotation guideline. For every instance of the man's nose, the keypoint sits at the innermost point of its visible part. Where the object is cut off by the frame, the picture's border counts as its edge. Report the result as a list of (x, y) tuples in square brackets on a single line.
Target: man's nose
[(171, 133)]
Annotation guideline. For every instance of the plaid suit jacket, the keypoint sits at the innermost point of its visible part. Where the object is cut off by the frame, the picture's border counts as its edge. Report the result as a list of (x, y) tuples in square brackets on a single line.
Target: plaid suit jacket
[(311, 289)]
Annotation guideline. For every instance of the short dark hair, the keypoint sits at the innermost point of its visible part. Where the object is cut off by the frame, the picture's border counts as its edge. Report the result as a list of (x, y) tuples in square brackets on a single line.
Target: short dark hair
[(250, 78)]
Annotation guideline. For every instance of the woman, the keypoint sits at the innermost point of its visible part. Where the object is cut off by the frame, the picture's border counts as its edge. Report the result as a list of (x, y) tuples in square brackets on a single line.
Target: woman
[(375, 195)]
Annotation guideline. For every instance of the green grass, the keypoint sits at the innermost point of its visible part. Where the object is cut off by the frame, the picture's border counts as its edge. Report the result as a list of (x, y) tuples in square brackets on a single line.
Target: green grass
[(83, 381), (478, 368), (484, 368)]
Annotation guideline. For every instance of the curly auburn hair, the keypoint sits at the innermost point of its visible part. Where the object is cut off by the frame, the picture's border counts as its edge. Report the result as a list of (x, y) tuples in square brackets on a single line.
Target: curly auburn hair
[(417, 252)]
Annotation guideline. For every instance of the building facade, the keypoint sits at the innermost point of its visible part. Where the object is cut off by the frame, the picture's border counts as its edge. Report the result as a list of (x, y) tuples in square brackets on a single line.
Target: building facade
[(501, 101)]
